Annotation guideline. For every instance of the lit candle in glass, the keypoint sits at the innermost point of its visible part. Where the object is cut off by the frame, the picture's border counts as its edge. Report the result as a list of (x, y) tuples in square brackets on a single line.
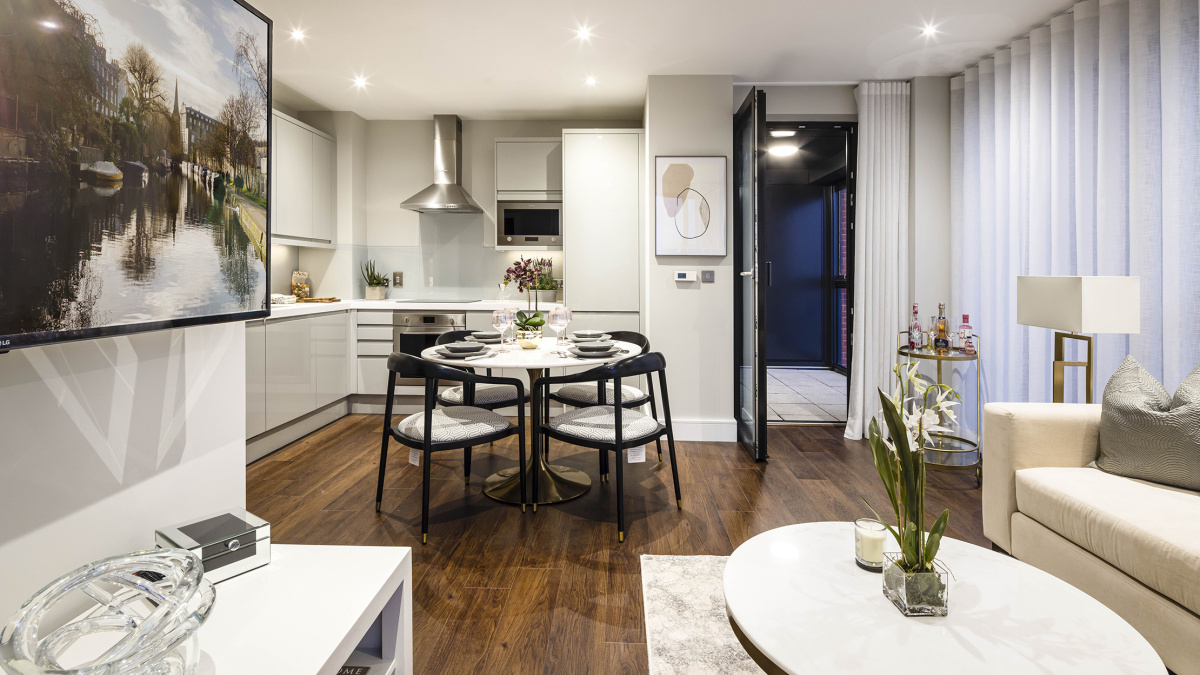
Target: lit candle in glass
[(868, 544)]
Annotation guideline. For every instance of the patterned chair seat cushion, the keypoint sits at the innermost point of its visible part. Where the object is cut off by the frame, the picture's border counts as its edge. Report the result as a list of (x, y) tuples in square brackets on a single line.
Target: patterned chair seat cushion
[(485, 394), (587, 393), (597, 423), (458, 423)]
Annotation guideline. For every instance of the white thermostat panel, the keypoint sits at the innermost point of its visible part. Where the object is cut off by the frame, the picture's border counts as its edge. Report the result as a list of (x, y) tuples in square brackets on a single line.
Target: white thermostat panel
[(685, 276)]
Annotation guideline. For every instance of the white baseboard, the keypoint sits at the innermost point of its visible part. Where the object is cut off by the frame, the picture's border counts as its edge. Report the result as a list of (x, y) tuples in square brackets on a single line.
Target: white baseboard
[(265, 443), (715, 431)]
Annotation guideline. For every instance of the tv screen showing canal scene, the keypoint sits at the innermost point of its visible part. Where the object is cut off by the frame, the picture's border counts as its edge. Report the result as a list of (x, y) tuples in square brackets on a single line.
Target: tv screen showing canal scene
[(134, 154)]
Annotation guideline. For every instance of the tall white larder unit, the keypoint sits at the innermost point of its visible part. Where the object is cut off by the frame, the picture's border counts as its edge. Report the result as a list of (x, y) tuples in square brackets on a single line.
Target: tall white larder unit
[(603, 175)]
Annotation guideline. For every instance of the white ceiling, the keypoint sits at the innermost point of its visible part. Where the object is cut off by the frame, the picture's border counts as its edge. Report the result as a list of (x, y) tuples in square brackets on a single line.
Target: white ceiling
[(520, 59)]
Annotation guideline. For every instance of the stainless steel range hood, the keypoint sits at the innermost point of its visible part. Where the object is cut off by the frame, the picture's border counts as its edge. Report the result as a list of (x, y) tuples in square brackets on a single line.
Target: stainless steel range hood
[(446, 195)]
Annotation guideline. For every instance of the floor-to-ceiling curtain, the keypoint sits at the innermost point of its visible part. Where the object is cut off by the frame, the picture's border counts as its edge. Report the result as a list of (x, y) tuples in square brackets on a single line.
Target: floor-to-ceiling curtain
[(881, 245), (1076, 151)]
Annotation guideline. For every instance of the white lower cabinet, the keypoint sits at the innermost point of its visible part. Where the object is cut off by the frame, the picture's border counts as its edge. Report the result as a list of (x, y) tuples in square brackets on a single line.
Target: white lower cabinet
[(305, 366), (256, 373)]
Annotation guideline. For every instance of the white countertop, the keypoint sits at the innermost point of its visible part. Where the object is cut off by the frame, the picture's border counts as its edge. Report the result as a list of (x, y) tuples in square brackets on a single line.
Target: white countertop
[(307, 308)]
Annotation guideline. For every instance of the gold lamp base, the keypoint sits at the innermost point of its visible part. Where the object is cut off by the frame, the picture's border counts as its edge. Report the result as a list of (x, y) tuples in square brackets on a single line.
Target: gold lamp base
[(1060, 365)]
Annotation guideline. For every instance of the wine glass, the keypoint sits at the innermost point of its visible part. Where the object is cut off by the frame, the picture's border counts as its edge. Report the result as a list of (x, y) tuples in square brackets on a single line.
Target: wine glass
[(501, 320), (557, 320)]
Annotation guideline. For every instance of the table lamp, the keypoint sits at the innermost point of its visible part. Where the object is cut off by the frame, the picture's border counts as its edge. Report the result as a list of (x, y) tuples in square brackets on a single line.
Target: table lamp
[(1078, 305)]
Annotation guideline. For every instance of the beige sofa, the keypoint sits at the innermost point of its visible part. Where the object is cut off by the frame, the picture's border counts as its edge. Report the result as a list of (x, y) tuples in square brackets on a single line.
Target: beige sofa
[(1133, 545)]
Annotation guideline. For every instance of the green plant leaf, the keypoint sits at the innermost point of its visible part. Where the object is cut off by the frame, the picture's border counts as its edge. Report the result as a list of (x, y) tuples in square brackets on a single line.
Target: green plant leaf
[(935, 537), (537, 321), (879, 453), (881, 520)]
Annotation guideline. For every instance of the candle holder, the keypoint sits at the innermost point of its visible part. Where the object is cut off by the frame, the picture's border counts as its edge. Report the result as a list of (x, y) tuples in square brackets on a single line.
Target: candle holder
[(869, 535)]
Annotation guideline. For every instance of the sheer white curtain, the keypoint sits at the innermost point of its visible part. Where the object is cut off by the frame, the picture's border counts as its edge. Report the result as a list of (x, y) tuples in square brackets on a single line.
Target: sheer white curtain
[(881, 245), (1077, 151)]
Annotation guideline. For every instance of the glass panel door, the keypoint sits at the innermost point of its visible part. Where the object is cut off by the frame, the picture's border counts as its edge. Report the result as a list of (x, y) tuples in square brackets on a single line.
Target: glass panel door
[(750, 377)]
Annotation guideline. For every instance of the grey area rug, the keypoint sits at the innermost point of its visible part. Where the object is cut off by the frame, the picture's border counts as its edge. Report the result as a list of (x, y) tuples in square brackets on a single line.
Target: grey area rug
[(687, 629)]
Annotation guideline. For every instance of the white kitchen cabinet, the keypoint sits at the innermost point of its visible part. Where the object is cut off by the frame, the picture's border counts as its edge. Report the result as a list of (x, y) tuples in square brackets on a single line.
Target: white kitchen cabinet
[(256, 372), (322, 188), (603, 171), (331, 357), (290, 377), (373, 334), (372, 375), (529, 169), (304, 183)]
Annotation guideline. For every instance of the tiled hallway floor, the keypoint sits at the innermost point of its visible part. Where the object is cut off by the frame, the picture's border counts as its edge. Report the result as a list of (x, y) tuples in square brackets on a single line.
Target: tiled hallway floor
[(801, 395)]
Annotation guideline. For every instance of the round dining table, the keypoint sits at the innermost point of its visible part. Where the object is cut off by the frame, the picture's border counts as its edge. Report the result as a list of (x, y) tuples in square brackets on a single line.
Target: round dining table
[(557, 483)]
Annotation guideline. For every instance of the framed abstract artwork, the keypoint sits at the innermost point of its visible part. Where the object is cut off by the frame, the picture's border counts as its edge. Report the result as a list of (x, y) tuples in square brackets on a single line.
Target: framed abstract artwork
[(690, 205)]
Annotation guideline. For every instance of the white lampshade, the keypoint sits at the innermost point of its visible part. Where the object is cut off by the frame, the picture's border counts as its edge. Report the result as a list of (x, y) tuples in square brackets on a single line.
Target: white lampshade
[(1080, 304)]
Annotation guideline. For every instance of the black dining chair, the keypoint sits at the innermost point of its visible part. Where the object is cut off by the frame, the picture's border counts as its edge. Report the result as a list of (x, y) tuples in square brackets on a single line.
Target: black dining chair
[(447, 428), (606, 427), (601, 393)]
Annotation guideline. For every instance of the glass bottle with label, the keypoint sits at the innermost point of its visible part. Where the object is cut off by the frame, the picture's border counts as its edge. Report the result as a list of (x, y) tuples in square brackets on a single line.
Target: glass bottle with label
[(941, 340), (915, 334), (966, 337)]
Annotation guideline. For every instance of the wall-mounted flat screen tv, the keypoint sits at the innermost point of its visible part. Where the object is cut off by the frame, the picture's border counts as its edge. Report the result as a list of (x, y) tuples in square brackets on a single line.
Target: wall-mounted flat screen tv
[(135, 154)]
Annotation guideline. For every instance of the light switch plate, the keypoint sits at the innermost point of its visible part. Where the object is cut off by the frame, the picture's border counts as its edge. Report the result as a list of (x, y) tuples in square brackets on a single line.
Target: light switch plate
[(708, 276), (681, 275), (397, 279)]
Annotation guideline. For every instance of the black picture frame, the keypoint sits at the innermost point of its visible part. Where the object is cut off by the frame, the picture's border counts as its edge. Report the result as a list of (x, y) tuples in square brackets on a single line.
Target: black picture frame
[(43, 338)]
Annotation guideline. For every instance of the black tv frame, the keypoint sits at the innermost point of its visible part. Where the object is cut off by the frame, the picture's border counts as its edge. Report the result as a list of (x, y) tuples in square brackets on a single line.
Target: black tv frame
[(43, 338)]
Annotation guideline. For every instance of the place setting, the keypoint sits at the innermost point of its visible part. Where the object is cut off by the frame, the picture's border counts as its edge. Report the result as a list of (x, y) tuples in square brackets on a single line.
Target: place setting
[(467, 350)]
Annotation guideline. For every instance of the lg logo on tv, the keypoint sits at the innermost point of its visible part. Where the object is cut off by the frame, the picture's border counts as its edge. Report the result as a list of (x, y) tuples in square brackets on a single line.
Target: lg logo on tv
[(5, 343)]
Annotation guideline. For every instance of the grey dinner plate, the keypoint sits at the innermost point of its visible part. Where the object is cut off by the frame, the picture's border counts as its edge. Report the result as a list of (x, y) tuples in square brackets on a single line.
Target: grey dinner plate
[(482, 341), (589, 338), (446, 353), (594, 355)]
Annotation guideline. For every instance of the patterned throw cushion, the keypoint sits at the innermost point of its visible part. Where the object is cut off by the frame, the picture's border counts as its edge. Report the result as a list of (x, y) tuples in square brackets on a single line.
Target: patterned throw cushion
[(598, 424), (1147, 434), (485, 394), (460, 423), (588, 393)]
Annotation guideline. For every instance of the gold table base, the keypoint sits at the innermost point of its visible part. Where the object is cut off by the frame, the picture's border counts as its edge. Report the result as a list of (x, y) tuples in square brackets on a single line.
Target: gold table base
[(556, 483)]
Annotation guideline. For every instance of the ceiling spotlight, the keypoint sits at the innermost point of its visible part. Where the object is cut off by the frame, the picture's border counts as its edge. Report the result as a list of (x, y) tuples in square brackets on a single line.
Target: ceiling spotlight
[(783, 150), (583, 33), (49, 24), (783, 133), (929, 30), (591, 80), (360, 81), (298, 34)]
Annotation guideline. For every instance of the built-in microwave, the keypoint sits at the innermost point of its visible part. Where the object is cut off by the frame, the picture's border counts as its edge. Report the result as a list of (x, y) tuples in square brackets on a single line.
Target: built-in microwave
[(529, 225)]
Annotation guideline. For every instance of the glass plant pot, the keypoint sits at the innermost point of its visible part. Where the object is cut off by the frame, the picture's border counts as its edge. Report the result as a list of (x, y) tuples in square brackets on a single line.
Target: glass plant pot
[(146, 609), (918, 594)]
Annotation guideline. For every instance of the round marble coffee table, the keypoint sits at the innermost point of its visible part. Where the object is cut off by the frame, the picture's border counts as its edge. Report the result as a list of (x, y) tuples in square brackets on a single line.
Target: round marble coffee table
[(796, 595), (557, 482)]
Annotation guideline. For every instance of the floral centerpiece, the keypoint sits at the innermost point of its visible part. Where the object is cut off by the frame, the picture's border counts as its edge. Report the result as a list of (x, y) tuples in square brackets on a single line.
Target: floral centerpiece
[(528, 275), (913, 580)]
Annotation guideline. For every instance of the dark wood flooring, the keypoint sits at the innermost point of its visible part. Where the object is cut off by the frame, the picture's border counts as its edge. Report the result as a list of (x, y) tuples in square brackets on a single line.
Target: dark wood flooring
[(498, 590)]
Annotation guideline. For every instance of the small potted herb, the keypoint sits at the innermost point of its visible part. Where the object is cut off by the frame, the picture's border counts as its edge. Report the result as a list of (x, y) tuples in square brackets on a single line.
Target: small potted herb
[(546, 288), (376, 282)]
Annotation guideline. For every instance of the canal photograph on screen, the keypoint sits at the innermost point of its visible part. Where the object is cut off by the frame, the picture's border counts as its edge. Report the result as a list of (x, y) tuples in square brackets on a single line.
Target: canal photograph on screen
[(133, 164)]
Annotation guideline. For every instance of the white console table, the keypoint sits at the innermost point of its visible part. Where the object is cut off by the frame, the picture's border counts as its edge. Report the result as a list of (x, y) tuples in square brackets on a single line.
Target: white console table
[(312, 610)]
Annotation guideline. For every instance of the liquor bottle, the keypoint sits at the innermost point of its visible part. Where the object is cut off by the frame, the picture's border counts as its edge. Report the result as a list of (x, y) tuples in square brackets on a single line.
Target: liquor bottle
[(966, 340), (941, 340), (915, 333), (932, 332)]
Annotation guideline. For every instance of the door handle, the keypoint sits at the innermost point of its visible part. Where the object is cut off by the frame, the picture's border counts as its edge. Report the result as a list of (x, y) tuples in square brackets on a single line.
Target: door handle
[(768, 273), (747, 274)]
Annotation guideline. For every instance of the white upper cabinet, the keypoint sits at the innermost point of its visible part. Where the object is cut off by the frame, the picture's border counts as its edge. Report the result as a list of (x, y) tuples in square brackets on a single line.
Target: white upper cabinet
[(602, 219), (303, 207), (323, 188), (529, 169)]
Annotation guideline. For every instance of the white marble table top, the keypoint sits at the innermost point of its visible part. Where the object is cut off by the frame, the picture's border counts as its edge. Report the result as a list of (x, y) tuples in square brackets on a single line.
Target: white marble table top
[(530, 359), (797, 595)]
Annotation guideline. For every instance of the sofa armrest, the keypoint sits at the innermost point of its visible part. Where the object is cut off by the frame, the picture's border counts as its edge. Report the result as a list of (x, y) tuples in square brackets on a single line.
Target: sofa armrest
[(1026, 435)]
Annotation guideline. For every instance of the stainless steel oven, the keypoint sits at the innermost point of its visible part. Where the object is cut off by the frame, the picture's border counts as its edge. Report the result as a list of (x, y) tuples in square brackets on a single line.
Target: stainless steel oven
[(531, 225), (416, 331)]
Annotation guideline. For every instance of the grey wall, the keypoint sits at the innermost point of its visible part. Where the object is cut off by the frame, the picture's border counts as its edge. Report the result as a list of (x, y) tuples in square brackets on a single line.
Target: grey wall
[(691, 324), (105, 440)]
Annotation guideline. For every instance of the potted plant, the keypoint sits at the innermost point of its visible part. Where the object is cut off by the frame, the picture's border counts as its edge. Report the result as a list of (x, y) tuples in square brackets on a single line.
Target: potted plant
[(546, 288), (913, 579), (376, 282), (528, 275)]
